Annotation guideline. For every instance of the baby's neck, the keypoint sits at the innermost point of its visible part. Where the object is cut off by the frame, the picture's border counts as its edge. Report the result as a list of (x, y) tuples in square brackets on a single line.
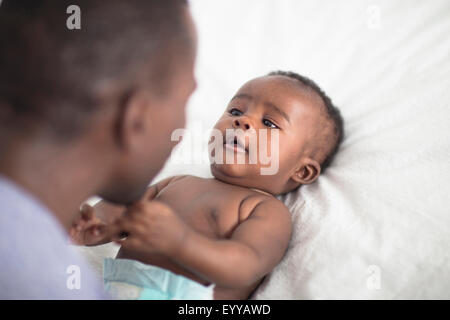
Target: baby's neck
[(263, 192), (254, 189)]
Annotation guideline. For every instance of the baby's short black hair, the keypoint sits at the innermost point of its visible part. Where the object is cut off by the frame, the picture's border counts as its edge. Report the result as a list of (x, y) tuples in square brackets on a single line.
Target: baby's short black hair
[(331, 111)]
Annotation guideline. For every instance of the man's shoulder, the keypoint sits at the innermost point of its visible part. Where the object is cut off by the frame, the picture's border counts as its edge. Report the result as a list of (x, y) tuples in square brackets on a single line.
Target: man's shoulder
[(37, 261), (39, 264)]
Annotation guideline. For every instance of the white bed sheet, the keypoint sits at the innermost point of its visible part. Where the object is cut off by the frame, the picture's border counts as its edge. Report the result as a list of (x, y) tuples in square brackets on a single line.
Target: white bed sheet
[(376, 224)]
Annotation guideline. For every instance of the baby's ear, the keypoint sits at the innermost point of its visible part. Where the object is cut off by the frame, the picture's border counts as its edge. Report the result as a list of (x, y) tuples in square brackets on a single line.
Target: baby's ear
[(307, 172)]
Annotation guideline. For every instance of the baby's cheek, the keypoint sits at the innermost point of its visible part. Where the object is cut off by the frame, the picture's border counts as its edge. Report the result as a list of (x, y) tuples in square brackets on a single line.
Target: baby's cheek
[(288, 156)]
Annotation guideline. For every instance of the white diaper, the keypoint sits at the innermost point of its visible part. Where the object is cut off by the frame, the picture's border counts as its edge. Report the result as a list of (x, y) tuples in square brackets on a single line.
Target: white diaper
[(130, 280)]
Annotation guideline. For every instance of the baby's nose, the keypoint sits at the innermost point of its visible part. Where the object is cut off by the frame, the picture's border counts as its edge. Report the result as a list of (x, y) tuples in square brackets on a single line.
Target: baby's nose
[(242, 123)]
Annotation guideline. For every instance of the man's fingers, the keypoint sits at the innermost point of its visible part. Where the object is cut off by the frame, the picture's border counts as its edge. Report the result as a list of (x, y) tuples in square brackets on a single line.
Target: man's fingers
[(76, 237), (73, 236), (94, 234), (79, 225), (93, 222), (98, 229), (87, 212)]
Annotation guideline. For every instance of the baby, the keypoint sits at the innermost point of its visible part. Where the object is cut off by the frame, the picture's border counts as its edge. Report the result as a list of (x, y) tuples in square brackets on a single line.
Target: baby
[(225, 234)]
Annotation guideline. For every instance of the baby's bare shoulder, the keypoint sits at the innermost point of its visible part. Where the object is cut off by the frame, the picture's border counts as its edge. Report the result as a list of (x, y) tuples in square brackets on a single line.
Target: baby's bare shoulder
[(267, 230), (263, 205), (273, 206)]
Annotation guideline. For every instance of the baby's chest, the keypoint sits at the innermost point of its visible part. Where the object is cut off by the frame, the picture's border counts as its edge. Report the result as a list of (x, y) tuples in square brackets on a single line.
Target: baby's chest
[(212, 214)]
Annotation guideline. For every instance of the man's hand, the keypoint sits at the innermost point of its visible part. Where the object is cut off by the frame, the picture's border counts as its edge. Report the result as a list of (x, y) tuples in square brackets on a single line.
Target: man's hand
[(87, 229), (152, 226)]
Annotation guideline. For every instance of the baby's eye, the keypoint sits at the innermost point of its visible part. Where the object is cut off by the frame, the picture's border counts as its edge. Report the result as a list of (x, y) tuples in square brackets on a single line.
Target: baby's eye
[(236, 112), (269, 124)]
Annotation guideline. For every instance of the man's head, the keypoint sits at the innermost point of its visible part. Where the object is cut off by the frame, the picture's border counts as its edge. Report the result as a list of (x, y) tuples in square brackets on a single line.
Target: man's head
[(128, 71), (309, 126)]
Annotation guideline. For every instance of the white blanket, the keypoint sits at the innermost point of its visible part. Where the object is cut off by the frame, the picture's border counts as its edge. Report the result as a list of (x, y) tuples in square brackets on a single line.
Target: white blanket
[(377, 224)]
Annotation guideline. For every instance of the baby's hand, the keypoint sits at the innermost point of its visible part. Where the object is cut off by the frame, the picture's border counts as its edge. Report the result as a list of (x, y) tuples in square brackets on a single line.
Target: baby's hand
[(88, 230), (152, 226)]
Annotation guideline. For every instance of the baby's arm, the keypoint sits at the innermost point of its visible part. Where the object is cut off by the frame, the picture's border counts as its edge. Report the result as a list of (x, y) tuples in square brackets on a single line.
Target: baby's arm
[(254, 249)]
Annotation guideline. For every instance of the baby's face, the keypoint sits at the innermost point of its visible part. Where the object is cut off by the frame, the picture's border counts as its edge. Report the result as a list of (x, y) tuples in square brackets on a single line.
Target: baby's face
[(269, 103)]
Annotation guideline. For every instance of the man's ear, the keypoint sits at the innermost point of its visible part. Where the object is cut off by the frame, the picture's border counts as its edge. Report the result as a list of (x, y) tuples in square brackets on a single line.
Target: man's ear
[(131, 120), (307, 172)]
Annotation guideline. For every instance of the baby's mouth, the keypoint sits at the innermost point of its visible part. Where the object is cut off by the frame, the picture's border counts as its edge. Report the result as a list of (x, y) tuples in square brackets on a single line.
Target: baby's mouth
[(236, 145)]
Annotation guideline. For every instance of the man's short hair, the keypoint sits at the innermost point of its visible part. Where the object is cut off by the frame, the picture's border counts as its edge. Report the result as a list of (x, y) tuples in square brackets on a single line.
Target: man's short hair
[(50, 75), (331, 111)]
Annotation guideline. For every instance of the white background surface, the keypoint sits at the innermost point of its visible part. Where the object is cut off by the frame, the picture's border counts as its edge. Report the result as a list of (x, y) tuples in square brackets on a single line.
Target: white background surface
[(376, 224)]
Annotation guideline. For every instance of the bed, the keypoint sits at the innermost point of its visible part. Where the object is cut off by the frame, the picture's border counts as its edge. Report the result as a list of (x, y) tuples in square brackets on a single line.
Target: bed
[(376, 225)]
